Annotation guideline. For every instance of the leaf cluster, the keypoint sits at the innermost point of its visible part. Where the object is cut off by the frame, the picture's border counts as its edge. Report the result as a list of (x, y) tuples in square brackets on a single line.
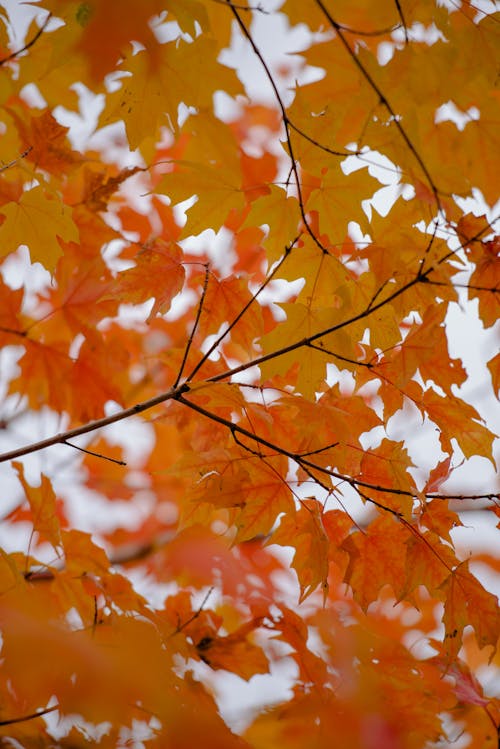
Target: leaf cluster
[(257, 295)]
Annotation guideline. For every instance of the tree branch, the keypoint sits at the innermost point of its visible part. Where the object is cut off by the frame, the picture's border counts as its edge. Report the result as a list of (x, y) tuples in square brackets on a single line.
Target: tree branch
[(303, 462), (176, 393), (91, 426)]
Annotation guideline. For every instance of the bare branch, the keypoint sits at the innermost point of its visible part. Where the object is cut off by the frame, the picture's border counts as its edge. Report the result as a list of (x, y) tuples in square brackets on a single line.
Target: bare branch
[(196, 614), (2, 169), (176, 393), (303, 462), (92, 426)]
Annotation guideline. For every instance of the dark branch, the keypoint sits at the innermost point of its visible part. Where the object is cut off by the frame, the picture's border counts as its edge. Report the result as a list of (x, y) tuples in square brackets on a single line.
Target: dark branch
[(92, 426), (299, 459)]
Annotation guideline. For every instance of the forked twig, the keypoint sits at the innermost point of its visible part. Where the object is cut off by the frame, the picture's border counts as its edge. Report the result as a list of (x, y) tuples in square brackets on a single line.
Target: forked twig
[(195, 326), (243, 310)]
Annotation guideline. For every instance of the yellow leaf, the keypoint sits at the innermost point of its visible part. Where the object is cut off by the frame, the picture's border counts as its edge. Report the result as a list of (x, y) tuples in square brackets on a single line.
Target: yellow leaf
[(37, 221), (178, 72), (282, 216), (338, 200), (217, 191)]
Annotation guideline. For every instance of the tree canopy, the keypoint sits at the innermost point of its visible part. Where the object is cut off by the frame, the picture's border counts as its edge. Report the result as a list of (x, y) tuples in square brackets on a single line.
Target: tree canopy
[(227, 284)]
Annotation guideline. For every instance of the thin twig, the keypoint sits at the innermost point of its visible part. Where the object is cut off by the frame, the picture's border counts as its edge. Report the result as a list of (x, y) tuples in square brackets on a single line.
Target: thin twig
[(195, 326), (322, 147), (469, 240), (491, 289), (2, 169), (397, 514), (284, 118), (29, 44), (196, 614), (297, 458), (243, 310), (92, 426), (403, 22), (30, 716), (95, 454), (383, 100), (378, 32), (176, 393)]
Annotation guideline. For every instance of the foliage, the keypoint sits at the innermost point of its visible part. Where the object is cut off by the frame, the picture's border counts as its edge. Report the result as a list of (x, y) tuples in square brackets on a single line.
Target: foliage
[(270, 349)]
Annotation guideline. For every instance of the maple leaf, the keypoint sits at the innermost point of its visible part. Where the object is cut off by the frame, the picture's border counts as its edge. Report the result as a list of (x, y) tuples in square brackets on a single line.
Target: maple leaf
[(107, 27), (460, 421), (440, 518), (307, 534), (494, 367), (44, 370), (486, 278), (158, 273), (234, 653), (10, 313), (266, 496), (376, 559), (337, 200), (38, 221), (99, 187), (285, 214), (222, 303), (42, 501), (388, 465), (217, 192), (467, 602), (159, 79), (46, 142), (467, 687)]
